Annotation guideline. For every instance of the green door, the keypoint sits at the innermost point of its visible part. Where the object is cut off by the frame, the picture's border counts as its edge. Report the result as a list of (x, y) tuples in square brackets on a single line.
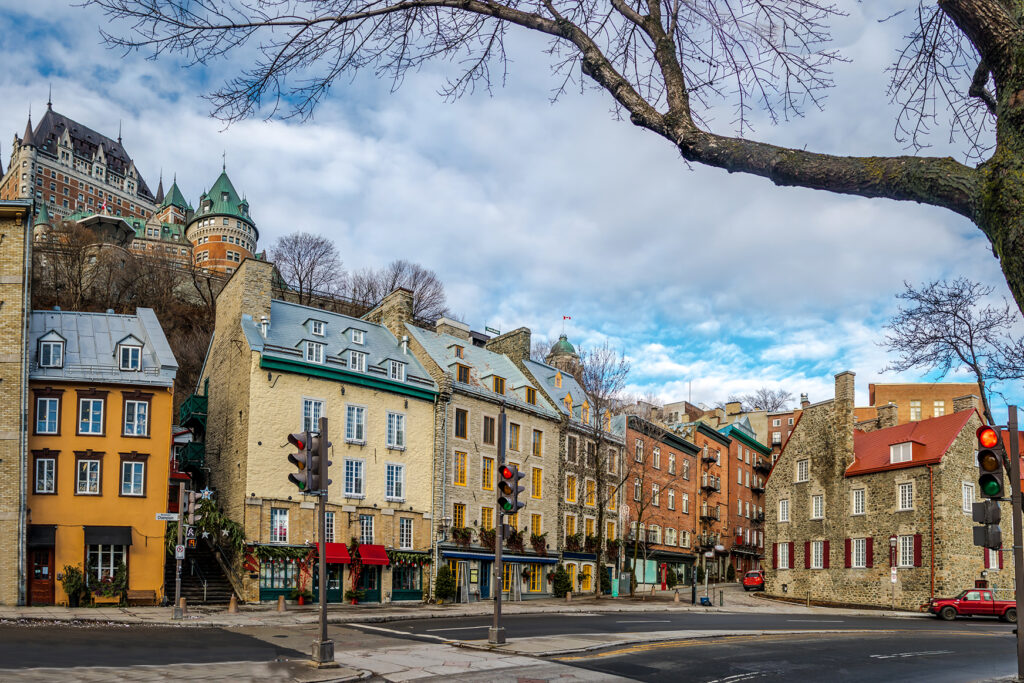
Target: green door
[(369, 583), (407, 582), (334, 591)]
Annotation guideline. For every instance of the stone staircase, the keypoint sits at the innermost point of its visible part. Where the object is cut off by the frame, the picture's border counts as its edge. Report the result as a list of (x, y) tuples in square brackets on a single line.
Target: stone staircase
[(202, 581)]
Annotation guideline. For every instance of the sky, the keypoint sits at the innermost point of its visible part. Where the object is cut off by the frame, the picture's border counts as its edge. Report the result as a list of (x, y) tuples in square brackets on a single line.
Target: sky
[(530, 210)]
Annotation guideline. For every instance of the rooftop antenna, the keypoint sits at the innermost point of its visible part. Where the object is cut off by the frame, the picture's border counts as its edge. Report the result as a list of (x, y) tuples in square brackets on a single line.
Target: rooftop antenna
[(224, 161), (49, 98), (119, 131)]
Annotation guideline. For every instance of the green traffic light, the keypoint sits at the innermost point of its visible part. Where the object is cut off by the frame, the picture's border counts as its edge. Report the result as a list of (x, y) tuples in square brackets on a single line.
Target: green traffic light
[(506, 504), (990, 486)]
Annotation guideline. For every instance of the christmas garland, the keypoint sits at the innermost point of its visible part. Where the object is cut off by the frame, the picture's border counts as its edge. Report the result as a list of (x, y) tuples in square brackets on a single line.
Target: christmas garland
[(397, 557)]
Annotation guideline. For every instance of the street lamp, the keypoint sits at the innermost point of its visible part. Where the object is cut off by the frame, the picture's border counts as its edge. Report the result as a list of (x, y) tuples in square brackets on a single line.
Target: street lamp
[(442, 530)]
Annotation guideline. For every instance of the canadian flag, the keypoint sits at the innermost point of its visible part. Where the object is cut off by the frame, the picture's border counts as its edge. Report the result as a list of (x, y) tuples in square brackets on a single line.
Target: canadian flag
[(103, 206), (566, 317)]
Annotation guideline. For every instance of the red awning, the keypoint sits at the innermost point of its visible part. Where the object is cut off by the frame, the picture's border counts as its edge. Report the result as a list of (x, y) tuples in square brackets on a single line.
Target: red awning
[(337, 553), (373, 554)]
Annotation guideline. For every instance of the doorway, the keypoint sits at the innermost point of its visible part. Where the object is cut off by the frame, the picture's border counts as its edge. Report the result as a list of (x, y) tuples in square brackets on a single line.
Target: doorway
[(41, 586)]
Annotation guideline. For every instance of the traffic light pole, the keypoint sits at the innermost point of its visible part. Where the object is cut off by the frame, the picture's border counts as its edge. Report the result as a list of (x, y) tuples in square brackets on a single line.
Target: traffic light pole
[(323, 649), (1018, 533), (177, 562), (496, 634)]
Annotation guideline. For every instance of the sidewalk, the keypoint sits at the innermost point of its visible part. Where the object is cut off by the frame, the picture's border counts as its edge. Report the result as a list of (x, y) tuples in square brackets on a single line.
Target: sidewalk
[(735, 600), (292, 671)]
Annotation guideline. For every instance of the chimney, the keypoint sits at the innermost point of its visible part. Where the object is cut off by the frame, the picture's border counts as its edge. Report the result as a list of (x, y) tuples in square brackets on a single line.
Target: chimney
[(515, 344), (968, 402), (393, 312), (453, 328), (844, 415), (886, 415), (264, 325), (804, 401), (405, 345), (733, 408)]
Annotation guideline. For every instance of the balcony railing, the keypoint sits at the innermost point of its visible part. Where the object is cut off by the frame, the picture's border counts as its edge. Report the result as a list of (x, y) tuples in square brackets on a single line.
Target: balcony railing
[(762, 466), (192, 454), (757, 488), (757, 520), (711, 484), (746, 549), (706, 541), (192, 412), (709, 457), (709, 514)]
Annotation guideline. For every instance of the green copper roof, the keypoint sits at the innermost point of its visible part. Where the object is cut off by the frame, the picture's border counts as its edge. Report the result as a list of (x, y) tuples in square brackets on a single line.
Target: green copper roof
[(174, 197), (44, 215), (223, 200), (563, 346)]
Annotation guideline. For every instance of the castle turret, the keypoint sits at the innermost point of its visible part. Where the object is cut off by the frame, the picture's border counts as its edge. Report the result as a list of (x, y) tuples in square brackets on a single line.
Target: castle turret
[(221, 230), (564, 357)]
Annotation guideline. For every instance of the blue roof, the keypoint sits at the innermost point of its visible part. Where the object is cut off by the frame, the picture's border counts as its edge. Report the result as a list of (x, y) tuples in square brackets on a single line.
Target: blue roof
[(90, 352), (545, 375), (291, 326), (483, 366)]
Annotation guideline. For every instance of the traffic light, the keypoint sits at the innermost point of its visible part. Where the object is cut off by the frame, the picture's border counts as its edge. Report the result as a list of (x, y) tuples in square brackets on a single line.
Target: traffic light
[(319, 464), (303, 461), (509, 489), (191, 507), (990, 535), (991, 457)]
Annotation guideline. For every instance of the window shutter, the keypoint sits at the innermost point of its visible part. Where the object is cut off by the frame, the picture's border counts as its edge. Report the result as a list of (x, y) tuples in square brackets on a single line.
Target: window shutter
[(869, 551), (775, 555), (1000, 558), (986, 554), (917, 550), (807, 554), (792, 555), (825, 553), (846, 554)]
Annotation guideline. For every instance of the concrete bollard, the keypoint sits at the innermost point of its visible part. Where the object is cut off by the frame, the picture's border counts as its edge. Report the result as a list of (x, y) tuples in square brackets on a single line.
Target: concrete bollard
[(280, 603), (233, 605), (183, 606), (676, 598), (721, 598), (568, 596)]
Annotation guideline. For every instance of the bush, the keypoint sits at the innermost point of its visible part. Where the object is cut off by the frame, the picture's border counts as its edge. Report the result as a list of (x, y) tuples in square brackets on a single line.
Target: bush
[(606, 583), (444, 586), (730, 573), (561, 585), (670, 578), (700, 574)]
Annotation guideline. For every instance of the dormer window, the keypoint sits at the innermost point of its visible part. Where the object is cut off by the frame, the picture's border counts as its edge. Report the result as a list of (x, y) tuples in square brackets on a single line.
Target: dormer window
[(317, 327), (397, 371), (558, 380), (531, 396), (314, 352), (568, 402), (586, 413), (459, 352), (357, 336), (51, 354), (462, 373), (357, 361), (130, 357), (499, 385), (900, 452)]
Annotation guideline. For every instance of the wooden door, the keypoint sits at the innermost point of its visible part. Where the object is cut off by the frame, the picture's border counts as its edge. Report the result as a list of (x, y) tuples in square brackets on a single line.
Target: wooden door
[(41, 576)]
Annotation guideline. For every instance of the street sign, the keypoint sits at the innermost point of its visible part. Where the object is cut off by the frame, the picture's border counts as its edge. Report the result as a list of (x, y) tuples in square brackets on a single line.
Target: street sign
[(179, 552), (190, 532), (892, 576), (709, 553), (167, 516)]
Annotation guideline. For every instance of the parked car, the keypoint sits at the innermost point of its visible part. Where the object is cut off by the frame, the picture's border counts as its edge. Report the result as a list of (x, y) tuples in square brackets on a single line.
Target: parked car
[(972, 602), (753, 581)]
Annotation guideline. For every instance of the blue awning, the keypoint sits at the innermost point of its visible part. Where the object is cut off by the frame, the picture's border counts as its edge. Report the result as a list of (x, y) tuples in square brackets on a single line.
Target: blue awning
[(487, 557), (578, 556)]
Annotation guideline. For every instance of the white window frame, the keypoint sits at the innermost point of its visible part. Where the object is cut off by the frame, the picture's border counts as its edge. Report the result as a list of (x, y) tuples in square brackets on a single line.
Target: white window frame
[(278, 525), (938, 408), (915, 410), (817, 554), (803, 470), (46, 355), (818, 506), (671, 462), (366, 529), (859, 553), (396, 431), (858, 501), (686, 503), (905, 496), (671, 499), (355, 423), (133, 358), (405, 531), (45, 481), (314, 352), (967, 496), (137, 408), (357, 336), (784, 510), (132, 489), (783, 555), (657, 458), (396, 371), (900, 452), (81, 411), (905, 551), (655, 495), (357, 361), (394, 487), (43, 426), (329, 526), (354, 487), (312, 411), (317, 328)]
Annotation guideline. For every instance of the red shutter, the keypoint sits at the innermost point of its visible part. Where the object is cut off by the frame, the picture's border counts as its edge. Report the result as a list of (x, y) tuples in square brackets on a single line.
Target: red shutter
[(807, 554), (792, 555), (846, 554), (869, 551), (917, 550), (985, 554), (1000, 558), (825, 554), (775, 555)]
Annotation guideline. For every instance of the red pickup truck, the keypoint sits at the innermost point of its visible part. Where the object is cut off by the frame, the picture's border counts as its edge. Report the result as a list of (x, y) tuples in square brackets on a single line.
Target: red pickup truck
[(972, 602)]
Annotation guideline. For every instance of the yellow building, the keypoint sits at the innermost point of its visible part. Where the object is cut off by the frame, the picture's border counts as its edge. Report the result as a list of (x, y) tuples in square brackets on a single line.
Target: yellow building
[(101, 389)]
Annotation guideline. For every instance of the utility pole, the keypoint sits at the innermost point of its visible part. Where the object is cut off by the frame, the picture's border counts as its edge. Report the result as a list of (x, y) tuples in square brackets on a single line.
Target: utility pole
[(177, 561), (496, 634), (1018, 533), (323, 649)]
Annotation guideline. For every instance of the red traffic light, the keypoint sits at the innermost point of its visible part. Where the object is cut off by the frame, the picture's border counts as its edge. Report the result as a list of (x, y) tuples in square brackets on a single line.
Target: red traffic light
[(987, 436), (505, 471), (298, 440)]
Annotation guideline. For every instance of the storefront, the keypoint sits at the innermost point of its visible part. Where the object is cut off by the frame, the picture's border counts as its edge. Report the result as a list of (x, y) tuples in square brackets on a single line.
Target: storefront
[(407, 570), (337, 558), (524, 576)]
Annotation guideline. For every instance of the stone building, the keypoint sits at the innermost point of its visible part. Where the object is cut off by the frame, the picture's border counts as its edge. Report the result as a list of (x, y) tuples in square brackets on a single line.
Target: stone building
[(475, 384), (275, 368), (68, 167), (849, 507), (15, 281), (590, 445), (659, 505)]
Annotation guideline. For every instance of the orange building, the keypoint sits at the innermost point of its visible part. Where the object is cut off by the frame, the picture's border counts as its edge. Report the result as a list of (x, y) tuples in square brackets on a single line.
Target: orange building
[(101, 392)]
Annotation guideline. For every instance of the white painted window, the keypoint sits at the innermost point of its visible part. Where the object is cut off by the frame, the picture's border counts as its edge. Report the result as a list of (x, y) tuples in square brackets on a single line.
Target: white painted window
[(314, 352), (366, 529), (639, 450), (357, 361), (776, 422), (395, 481), (739, 508), (46, 415), (131, 357), (859, 553), (136, 422), (397, 371), (671, 499), (405, 533), (915, 410), (906, 551), (783, 555), (684, 539), (90, 416), (355, 424), (900, 452), (357, 336), (396, 431), (329, 526), (317, 327), (278, 525), (817, 554), (938, 408), (671, 463), (657, 458), (133, 478), (46, 472), (354, 481), (784, 510), (747, 508), (858, 501), (968, 497), (312, 411), (686, 503), (817, 506), (905, 496), (803, 470), (51, 354)]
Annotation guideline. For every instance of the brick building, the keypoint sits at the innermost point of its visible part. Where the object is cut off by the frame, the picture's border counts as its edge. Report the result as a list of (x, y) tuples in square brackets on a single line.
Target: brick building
[(68, 167), (15, 280), (749, 464), (916, 401), (848, 507), (659, 503)]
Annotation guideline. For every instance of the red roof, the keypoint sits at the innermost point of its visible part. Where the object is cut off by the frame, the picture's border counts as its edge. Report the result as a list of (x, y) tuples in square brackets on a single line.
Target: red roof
[(934, 436), (373, 554), (337, 553)]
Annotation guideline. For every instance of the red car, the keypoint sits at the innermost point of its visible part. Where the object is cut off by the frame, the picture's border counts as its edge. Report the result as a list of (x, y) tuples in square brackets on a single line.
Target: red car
[(973, 602), (753, 581)]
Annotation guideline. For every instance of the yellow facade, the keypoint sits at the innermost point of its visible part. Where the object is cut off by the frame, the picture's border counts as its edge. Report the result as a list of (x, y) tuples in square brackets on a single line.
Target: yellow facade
[(73, 506)]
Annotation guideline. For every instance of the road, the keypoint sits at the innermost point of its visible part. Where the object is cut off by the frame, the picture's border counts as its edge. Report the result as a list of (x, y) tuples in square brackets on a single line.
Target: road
[(841, 648)]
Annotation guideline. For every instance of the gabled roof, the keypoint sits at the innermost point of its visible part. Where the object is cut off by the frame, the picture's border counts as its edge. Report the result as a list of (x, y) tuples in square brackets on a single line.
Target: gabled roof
[(91, 342), (741, 431), (174, 197), (936, 435), (545, 376), (224, 201)]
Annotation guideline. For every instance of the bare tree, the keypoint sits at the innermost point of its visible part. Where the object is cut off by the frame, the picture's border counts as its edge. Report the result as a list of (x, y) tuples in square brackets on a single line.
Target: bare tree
[(666, 65), (766, 398), (308, 263), (429, 301), (947, 326), (539, 350)]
